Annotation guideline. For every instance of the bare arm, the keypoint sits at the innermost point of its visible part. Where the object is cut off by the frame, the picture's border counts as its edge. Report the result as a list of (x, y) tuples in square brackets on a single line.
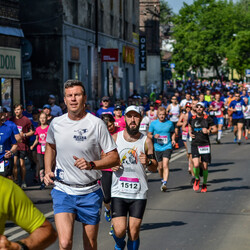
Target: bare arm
[(180, 122), (150, 152), (150, 135), (18, 137), (10, 152), (49, 159), (39, 239)]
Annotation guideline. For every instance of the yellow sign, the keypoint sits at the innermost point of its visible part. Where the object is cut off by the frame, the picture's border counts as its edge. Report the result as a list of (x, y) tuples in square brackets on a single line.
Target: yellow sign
[(10, 62), (128, 54)]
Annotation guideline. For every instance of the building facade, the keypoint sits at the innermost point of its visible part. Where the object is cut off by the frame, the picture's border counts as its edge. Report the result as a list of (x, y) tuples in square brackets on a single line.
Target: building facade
[(10, 53), (150, 75), (73, 39)]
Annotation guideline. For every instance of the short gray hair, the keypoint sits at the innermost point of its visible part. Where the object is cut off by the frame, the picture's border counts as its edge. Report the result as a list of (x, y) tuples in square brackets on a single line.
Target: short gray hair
[(71, 83)]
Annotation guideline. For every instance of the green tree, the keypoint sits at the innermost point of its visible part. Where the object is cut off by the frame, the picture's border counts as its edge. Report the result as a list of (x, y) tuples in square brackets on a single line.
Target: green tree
[(239, 53), (203, 32)]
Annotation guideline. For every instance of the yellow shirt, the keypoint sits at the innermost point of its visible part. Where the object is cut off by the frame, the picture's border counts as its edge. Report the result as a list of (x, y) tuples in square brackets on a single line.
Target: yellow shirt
[(17, 207)]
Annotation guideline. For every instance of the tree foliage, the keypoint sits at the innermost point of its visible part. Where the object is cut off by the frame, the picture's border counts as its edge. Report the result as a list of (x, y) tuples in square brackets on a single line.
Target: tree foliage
[(206, 32)]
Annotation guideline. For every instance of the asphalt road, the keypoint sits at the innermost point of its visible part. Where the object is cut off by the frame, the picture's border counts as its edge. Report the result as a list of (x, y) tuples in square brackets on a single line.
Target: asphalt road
[(181, 218)]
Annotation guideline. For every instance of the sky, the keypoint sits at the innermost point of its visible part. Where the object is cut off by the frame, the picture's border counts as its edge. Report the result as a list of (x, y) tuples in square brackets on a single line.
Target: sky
[(176, 5)]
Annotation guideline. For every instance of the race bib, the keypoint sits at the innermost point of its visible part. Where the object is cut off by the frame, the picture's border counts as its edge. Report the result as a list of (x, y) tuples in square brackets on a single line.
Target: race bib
[(175, 114), (20, 128), (184, 136), (116, 124), (129, 185), (43, 146), (217, 113), (143, 127), (162, 139), (1, 148), (204, 149), (211, 112), (190, 138), (2, 167), (238, 107)]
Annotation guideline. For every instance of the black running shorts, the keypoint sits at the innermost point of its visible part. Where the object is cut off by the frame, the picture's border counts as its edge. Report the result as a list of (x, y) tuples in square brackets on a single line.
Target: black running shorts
[(196, 154), (120, 207)]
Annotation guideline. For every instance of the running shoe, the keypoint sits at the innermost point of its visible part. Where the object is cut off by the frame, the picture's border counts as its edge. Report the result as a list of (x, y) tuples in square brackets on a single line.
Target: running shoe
[(218, 141), (111, 232), (196, 185), (204, 188), (164, 187), (107, 215), (235, 139), (42, 186), (246, 137), (192, 181), (239, 142), (176, 145), (23, 185), (244, 133)]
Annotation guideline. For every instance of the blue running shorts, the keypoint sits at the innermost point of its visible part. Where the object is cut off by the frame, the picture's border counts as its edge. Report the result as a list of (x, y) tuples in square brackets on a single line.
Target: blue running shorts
[(87, 207)]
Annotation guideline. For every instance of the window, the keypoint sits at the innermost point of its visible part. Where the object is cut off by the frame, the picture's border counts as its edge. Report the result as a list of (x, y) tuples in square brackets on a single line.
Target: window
[(6, 93), (74, 71), (111, 24)]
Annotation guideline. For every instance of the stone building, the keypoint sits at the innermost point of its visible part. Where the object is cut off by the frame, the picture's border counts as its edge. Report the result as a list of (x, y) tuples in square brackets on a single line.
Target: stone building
[(90, 40), (10, 53), (150, 76)]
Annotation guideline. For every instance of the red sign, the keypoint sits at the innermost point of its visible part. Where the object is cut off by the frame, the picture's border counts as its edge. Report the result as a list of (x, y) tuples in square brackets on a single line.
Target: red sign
[(110, 55)]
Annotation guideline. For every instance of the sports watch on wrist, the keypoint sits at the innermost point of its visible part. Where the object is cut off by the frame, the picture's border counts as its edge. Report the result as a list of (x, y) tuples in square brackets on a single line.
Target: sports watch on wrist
[(22, 245), (92, 165)]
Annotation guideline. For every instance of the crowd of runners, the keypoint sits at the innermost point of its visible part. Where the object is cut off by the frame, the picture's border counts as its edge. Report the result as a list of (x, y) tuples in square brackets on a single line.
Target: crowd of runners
[(94, 157)]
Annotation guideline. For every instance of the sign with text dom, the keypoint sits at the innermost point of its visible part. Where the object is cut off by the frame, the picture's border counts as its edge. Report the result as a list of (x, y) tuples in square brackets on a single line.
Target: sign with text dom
[(110, 55), (142, 53), (10, 62)]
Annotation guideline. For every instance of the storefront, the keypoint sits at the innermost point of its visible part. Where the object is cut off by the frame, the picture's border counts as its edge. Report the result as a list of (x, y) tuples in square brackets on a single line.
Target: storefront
[(10, 76)]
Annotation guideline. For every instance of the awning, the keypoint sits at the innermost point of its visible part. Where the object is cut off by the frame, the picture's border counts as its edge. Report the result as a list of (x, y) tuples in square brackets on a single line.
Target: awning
[(10, 31)]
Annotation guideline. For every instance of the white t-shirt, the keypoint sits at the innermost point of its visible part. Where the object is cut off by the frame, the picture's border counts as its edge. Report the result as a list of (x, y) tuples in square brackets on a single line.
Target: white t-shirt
[(184, 102), (144, 125), (84, 138), (247, 113)]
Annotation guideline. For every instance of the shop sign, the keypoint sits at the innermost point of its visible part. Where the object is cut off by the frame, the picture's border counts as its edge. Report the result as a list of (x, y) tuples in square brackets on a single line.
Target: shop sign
[(128, 54), (10, 62), (142, 53), (110, 55)]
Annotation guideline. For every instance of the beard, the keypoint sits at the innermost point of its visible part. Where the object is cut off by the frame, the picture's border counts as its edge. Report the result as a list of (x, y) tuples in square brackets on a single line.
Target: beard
[(132, 131), (199, 113)]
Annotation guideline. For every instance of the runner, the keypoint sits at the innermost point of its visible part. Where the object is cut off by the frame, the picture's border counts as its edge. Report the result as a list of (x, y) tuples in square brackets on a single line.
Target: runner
[(40, 142), (182, 122), (152, 113), (184, 101), (162, 131), (238, 117), (247, 117), (47, 111), (17, 207), (75, 140), (105, 109), (55, 109), (173, 110), (129, 183), (217, 107), (119, 118), (200, 126), (25, 128), (8, 146), (106, 179), (144, 125)]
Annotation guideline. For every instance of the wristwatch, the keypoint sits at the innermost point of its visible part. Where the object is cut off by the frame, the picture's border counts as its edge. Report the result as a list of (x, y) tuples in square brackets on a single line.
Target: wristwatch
[(92, 165), (22, 245)]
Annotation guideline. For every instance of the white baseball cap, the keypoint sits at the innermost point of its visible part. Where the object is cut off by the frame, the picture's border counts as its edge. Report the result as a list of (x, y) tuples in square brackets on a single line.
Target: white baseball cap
[(133, 108), (201, 104)]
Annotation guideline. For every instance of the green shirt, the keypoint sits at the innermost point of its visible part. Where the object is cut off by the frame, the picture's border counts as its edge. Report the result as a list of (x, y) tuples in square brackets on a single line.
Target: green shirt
[(17, 207)]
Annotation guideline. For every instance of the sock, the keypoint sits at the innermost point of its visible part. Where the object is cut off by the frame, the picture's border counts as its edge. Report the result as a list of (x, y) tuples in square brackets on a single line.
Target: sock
[(107, 210), (164, 182), (219, 134), (133, 245), (205, 175), (196, 172), (120, 242)]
